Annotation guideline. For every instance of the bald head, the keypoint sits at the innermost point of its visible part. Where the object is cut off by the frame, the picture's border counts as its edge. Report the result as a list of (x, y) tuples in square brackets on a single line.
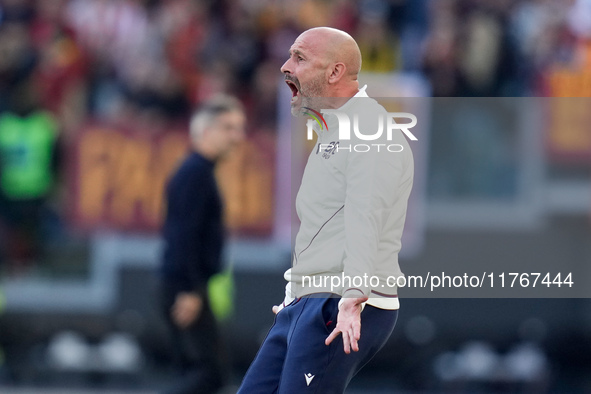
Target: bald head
[(323, 62), (335, 46)]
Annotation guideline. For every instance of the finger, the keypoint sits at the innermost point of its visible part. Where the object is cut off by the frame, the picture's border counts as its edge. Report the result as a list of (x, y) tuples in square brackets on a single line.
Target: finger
[(181, 318), (184, 316), (186, 320), (178, 320), (346, 342), (354, 343), (335, 333), (275, 309), (357, 331)]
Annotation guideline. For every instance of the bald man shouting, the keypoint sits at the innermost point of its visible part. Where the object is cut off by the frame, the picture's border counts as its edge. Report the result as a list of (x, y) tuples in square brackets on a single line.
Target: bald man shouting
[(341, 301)]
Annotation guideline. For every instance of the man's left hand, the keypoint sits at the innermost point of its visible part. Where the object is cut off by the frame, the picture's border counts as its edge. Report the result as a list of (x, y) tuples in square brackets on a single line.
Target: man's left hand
[(348, 324)]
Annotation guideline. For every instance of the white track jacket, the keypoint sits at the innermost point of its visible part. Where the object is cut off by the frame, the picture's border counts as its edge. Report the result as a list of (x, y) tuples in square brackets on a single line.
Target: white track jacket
[(352, 206)]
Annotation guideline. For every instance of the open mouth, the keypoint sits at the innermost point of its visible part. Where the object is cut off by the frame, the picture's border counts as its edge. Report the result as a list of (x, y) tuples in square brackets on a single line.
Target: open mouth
[(295, 92)]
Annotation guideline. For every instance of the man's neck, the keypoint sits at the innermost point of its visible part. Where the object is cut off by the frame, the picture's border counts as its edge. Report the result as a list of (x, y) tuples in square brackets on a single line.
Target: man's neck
[(202, 150), (335, 102), (341, 94)]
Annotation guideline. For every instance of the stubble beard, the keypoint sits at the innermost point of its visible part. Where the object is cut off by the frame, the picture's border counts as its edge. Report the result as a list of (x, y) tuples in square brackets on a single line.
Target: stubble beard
[(312, 96)]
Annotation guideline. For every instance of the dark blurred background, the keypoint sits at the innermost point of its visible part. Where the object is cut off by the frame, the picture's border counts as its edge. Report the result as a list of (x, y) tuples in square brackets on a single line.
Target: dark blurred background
[(95, 98)]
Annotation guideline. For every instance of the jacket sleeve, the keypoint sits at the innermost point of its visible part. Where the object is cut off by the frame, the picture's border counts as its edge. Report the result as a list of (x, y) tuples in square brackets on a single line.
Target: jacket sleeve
[(373, 180), (193, 198)]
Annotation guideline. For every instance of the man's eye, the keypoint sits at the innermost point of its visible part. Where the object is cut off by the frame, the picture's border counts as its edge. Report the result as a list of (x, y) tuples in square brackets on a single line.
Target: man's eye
[(300, 58)]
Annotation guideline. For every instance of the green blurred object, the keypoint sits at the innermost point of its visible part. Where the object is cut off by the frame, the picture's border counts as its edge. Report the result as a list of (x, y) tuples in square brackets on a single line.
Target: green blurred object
[(220, 289), (26, 148), (2, 302)]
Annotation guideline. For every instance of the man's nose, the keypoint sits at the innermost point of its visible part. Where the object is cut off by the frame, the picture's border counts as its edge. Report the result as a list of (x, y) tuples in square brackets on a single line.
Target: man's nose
[(286, 67)]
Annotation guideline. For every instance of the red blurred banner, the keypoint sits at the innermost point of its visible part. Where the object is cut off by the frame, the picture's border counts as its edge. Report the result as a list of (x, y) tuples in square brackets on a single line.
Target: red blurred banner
[(569, 135), (117, 179)]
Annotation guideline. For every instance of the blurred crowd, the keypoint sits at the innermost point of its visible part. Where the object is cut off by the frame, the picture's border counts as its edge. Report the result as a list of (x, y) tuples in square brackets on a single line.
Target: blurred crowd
[(151, 61), (146, 64)]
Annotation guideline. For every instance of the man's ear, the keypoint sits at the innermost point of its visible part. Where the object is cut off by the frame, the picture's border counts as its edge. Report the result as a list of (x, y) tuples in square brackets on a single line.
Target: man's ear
[(336, 72)]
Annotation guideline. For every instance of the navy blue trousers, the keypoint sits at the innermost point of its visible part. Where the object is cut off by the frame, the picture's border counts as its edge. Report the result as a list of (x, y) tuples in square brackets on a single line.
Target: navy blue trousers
[(293, 359)]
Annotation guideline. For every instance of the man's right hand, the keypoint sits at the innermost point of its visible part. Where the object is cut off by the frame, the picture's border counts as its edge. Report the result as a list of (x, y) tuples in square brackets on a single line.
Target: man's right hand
[(186, 309)]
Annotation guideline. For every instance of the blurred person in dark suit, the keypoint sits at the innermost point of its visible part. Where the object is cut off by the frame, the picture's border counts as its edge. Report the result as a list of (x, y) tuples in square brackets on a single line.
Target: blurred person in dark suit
[(194, 236)]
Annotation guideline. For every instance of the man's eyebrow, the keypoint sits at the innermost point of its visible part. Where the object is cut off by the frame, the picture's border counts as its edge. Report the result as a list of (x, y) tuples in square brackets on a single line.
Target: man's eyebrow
[(296, 51)]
